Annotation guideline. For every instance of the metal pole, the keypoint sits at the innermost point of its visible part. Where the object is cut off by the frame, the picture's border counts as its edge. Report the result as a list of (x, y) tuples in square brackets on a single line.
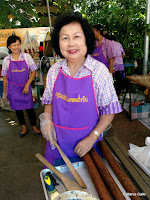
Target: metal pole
[(49, 15), (146, 42), (50, 25)]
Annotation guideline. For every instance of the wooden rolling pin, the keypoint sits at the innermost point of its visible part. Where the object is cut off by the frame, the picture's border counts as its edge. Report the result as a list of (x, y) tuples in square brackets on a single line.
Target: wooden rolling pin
[(108, 180), (96, 178), (122, 176), (70, 166), (69, 184)]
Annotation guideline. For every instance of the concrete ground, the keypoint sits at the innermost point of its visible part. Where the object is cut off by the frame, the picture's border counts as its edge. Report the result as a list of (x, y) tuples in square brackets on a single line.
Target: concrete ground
[(20, 170)]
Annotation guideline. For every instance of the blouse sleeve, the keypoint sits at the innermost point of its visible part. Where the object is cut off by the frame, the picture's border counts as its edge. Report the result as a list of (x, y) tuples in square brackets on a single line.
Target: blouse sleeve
[(110, 49), (5, 66), (48, 92), (30, 62), (108, 101)]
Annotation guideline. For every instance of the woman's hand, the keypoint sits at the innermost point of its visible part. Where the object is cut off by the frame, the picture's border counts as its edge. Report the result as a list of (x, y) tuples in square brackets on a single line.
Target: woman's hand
[(4, 97), (25, 89), (85, 145), (47, 128)]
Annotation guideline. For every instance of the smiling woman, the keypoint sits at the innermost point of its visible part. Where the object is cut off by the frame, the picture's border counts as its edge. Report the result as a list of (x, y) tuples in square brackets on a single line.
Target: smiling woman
[(17, 82), (79, 97), (72, 45)]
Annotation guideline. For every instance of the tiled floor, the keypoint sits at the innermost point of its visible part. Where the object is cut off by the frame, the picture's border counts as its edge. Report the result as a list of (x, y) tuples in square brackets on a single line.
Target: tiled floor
[(20, 170)]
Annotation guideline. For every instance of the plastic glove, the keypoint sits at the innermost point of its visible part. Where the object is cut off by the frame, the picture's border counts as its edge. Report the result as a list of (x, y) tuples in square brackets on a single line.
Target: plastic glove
[(47, 128), (4, 97)]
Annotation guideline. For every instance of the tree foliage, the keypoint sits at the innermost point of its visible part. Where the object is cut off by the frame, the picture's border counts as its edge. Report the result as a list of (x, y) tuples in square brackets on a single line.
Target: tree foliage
[(18, 14), (125, 20)]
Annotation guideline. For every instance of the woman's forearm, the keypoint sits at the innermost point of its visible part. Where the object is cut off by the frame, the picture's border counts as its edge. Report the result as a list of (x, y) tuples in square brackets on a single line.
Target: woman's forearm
[(111, 65), (48, 108), (5, 84), (31, 78), (103, 123)]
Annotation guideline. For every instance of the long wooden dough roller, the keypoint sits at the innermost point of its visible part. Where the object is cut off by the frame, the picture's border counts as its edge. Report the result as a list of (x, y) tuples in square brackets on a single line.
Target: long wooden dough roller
[(118, 170), (96, 178), (108, 180), (70, 166)]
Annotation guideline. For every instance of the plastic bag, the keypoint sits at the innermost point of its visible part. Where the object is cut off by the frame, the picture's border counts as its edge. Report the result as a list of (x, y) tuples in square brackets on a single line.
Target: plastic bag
[(142, 154), (47, 128), (4, 104)]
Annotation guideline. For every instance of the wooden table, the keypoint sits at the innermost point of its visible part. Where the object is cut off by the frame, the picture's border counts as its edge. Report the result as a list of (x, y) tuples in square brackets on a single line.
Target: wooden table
[(140, 179), (142, 80)]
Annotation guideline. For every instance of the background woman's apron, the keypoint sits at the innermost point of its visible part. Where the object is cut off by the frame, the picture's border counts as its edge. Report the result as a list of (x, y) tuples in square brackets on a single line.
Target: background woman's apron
[(119, 66), (18, 75), (75, 113), (98, 55)]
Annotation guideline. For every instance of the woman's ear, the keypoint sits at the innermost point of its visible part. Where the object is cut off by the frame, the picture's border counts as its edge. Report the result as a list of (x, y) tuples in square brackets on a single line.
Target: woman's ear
[(9, 49), (99, 32)]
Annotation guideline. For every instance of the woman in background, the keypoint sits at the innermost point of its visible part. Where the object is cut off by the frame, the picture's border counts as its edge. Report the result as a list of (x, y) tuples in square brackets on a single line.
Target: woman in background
[(17, 83), (118, 73), (104, 51)]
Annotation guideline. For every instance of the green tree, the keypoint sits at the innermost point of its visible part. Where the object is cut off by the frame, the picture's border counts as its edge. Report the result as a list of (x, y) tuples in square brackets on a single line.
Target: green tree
[(125, 20), (66, 5), (18, 14)]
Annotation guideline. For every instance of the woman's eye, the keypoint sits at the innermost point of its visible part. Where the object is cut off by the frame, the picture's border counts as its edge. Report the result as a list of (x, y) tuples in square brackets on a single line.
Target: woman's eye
[(65, 38), (77, 36)]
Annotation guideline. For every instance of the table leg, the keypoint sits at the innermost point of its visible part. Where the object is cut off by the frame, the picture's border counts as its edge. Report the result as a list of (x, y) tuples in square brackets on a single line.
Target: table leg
[(39, 87), (130, 101)]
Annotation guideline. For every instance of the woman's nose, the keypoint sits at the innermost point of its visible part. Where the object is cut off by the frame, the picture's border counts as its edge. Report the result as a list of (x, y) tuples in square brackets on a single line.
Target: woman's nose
[(71, 42)]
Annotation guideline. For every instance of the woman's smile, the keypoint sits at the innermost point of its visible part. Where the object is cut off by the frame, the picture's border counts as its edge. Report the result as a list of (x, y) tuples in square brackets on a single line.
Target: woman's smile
[(72, 51)]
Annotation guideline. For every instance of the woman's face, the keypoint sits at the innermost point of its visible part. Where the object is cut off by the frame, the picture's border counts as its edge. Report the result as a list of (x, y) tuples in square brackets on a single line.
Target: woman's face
[(15, 47), (96, 32), (72, 42)]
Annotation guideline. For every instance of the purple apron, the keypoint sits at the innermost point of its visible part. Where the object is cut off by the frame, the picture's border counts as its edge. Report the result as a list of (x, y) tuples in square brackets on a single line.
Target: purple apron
[(18, 75), (98, 55), (75, 113), (118, 65)]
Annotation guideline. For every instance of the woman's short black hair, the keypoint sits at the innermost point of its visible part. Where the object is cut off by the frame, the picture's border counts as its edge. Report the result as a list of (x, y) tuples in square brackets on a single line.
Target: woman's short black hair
[(99, 27), (68, 18), (12, 39)]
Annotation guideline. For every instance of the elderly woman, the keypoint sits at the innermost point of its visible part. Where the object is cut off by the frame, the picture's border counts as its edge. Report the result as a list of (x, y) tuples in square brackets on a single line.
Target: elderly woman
[(79, 93)]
